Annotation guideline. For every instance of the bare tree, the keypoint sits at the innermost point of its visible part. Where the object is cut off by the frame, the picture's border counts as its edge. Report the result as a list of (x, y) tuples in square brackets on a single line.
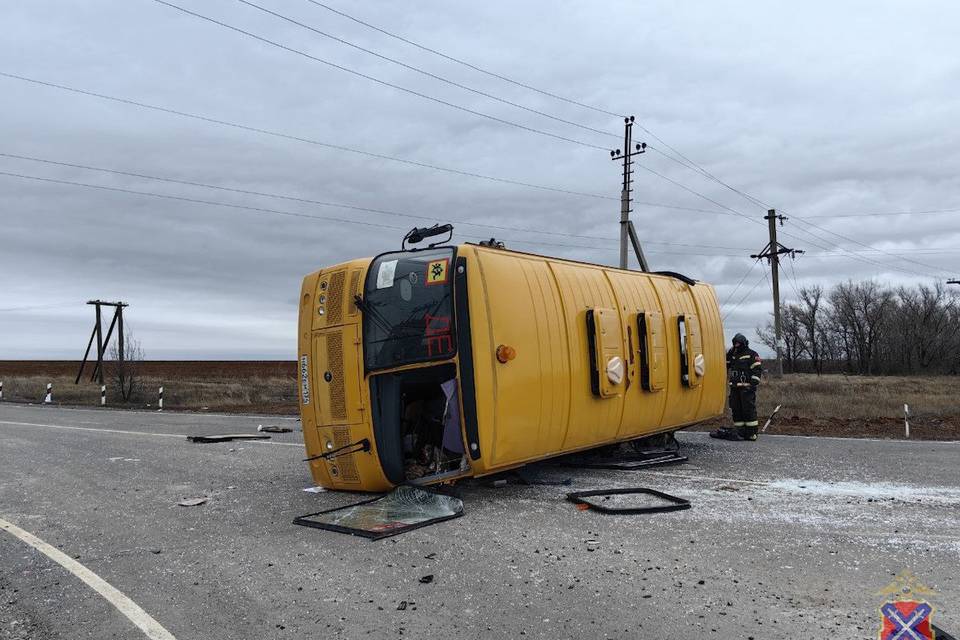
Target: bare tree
[(859, 316), (125, 375), (791, 336), (867, 328), (811, 321)]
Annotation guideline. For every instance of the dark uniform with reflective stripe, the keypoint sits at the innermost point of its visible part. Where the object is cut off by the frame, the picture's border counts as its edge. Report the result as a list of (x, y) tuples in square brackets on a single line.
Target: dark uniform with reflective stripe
[(744, 368)]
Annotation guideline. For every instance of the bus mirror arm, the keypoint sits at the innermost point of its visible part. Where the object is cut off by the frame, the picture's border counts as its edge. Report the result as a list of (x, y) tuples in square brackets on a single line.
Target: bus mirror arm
[(419, 234), (364, 445)]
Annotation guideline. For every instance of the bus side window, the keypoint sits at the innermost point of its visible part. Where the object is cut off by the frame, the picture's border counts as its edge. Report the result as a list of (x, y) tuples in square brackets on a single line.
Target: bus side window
[(650, 337), (682, 336), (688, 329)]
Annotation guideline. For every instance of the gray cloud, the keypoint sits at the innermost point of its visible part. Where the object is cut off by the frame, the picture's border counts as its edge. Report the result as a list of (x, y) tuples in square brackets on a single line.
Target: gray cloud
[(818, 109)]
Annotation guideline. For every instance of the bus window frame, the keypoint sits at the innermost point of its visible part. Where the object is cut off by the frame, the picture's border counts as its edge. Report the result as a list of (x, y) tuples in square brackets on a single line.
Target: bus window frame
[(364, 319), (644, 350)]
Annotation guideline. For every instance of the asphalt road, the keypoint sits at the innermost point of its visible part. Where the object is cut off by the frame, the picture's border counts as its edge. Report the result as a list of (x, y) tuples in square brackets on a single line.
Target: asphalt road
[(787, 537)]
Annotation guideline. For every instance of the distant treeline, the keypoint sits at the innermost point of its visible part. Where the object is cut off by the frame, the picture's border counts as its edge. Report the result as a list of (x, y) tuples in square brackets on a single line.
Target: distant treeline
[(872, 329)]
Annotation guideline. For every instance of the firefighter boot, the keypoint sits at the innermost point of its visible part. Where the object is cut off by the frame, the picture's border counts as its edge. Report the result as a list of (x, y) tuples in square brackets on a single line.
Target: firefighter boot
[(727, 433), (748, 433)]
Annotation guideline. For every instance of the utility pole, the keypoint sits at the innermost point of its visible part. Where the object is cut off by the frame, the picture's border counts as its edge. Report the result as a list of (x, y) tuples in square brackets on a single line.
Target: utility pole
[(772, 253), (627, 230), (102, 341)]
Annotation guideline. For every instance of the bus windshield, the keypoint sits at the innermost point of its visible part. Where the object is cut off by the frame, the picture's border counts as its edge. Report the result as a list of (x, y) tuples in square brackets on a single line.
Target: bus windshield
[(408, 308)]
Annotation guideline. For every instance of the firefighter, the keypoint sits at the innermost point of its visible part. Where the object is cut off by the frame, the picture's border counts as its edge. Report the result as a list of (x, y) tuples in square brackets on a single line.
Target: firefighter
[(744, 367)]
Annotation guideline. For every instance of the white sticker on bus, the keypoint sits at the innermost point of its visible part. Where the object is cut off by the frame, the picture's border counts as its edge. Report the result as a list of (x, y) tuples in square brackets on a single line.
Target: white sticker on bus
[(305, 379), (386, 273)]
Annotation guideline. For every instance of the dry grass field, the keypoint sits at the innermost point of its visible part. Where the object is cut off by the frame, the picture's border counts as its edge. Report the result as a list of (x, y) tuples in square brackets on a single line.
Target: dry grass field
[(222, 386), (839, 405), (836, 405)]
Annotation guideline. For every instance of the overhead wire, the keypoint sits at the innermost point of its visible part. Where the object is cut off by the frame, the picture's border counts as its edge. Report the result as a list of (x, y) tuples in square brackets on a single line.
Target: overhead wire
[(683, 159), (467, 64), (424, 72), (829, 243), (283, 212), (226, 123), (928, 212), (388, 212), (380, 81), (745, 296), (742, 278), (40, 306), (320, 143), (792, 279)]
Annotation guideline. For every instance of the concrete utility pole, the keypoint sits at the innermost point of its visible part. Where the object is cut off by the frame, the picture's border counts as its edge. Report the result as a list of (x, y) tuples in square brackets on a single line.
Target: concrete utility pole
[(627, 231), (772, 253)]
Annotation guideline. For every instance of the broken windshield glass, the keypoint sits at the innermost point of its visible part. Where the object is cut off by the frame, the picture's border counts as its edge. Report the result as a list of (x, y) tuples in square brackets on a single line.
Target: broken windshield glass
[(408, 310)]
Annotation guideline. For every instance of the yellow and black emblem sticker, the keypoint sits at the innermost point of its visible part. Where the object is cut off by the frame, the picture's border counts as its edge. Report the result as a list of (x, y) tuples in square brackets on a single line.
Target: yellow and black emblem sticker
[(437, 271)]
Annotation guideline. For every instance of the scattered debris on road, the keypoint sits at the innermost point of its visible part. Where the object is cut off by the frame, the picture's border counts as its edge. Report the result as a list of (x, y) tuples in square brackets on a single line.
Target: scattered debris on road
[(404, 509), (427, 579), (272, 428), (192, 502), (227, 437), (315, 489), (663, 502)]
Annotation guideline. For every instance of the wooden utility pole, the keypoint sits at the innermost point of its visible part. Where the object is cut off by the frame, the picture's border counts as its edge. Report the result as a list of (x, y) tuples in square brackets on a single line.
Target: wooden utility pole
[(772, 253), (102, 341), (627, 231)]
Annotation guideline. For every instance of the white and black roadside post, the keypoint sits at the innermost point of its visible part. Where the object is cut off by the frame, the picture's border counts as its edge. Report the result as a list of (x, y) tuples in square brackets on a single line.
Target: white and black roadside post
[(103, 395), (160, 401), (1, 390), (48, 399), (906, 421)]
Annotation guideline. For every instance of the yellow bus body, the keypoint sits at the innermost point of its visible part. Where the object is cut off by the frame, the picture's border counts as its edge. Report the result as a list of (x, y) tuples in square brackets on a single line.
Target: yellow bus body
[(567, 323)]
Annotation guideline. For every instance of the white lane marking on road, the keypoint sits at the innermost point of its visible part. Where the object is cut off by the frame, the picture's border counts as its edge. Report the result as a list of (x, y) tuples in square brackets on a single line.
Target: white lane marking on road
[(849, 440), (150, 627), (168, 413), (710, 478), (133, 433)]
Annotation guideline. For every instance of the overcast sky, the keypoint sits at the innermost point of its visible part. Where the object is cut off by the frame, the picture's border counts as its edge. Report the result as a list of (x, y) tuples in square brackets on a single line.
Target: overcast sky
[(820, 109)]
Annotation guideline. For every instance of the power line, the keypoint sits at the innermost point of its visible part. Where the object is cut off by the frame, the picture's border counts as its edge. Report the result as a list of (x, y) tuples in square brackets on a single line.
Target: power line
[(937, 251), (465, 63), (320, 143), (686, 162), (424, 72), (830, 244), (41, 306), (339, 204), (867, 246), (792, 279), (283, 212), (742, 278), (337, 147), (451, 170), (745, 296), (695, 167), (379, 81), (690, 164), (928, 212)]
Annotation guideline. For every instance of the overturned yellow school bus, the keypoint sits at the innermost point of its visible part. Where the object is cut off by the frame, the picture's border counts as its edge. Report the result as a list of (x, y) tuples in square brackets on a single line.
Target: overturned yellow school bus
[(428, 365)]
